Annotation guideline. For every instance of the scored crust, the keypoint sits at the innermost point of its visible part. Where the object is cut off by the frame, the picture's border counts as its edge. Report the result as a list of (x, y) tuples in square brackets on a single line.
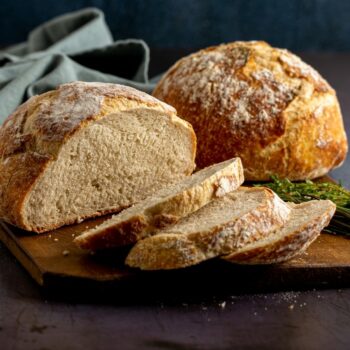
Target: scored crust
[(250, 215), (263, 104), (32, 136), (305, 224), (165, 207)]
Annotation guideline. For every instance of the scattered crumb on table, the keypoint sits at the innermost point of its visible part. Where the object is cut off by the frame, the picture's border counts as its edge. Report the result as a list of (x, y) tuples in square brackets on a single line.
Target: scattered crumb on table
[(223, 304)]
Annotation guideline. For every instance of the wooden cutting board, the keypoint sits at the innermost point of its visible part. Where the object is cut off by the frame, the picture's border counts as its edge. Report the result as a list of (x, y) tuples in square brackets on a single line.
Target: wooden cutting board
[(53, 260)]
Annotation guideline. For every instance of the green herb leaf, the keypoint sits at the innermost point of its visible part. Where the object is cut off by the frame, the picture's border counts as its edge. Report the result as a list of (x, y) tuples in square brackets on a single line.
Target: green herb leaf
[(299, 192)]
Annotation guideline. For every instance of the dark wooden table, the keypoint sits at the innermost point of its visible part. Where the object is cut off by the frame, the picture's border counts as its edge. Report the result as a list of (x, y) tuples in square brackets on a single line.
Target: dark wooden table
[(32, 318)]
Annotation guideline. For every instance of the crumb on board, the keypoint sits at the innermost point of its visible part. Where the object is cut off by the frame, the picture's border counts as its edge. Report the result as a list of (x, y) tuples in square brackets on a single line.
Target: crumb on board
[(222, 305), (55, 239), (65, 252)]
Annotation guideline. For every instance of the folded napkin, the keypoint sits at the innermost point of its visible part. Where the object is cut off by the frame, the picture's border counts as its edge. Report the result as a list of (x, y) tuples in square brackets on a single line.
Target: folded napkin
[(75, 46)]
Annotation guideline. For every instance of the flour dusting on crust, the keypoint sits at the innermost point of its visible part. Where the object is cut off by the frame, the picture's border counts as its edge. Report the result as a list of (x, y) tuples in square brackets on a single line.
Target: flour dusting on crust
[(259, 103), (54, 115), (78, 101), (211, 83)]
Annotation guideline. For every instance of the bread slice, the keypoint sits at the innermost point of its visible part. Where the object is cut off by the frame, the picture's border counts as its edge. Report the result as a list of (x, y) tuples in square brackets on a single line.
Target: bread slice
[(223, 225), (305, 224), (87, 149), (165, 207)]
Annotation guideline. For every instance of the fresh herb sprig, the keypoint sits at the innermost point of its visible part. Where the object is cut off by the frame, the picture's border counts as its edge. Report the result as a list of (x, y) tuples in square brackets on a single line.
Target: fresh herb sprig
[(299, 192)]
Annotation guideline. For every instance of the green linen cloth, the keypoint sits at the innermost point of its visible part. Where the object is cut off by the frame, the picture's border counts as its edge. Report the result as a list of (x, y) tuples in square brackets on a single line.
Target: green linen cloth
[(75, 46)]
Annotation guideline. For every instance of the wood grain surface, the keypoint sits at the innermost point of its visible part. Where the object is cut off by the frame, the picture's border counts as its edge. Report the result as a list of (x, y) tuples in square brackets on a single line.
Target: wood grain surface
[(52, 259), (34, 318)]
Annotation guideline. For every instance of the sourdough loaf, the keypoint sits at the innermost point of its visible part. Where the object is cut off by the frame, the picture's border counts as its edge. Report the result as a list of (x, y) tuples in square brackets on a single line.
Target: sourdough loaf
[(263, 104), (305, 224), (225, 224), (165, 207), (86, 149)]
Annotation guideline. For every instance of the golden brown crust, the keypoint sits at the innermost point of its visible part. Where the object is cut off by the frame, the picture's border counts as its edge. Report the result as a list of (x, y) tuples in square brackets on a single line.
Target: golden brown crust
[(260, 103), (43, 122), (287, 246), (126, 233), (167, 250), (150, 215), (33, 134), (18, 174)]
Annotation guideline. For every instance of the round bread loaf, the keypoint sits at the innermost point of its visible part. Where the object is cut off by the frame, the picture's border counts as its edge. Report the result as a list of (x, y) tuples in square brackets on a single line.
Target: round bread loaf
[(88, 149), (260, 103)]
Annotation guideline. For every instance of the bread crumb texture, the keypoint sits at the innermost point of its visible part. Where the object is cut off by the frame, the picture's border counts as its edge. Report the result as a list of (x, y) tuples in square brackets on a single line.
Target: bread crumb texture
[(86, 149), (165, 207), (304, 226), (223, 225)]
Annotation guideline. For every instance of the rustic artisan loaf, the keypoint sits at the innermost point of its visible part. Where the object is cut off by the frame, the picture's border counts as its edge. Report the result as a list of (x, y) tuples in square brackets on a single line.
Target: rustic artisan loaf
[(86, 149), (263, 104), (305, 224), (165, 207), (227, 223)]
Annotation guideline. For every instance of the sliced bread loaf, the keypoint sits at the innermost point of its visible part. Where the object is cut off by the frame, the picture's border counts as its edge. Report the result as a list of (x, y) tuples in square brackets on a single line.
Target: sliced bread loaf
[(165, 207), (223, 225), (305, 224), (86, 149)]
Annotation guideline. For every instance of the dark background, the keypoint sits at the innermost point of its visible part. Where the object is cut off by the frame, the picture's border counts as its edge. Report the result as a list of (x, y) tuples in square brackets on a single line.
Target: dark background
[(300, 25), (30, 318)]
